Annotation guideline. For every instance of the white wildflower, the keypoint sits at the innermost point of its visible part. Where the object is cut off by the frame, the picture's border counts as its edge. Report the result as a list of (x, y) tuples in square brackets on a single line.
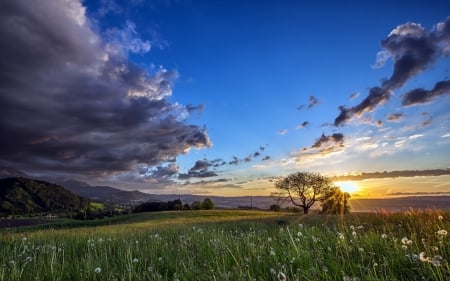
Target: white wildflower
[(97, 270), (354, 233), (423, 257), (405, 240), (281, 276), (135, 260), (440, 218), (384, 236), (442, 232), (404, 247)]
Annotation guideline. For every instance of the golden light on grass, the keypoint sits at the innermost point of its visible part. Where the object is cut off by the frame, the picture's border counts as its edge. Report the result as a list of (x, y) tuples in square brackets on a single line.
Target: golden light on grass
[(347, 186)]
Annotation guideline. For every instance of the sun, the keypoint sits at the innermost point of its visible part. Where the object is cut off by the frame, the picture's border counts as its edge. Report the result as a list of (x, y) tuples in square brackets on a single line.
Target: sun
[(347, 186)]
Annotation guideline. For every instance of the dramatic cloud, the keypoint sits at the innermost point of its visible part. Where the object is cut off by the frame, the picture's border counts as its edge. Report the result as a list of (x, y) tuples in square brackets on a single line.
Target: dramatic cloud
[(201, 165), (336, 138), (395, 117), (421, 96), (72, 103), (412, 49), (163, 171), (200, 170)]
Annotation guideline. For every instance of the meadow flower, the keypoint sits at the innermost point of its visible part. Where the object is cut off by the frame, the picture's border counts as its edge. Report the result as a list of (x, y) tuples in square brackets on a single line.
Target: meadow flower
[(384, 236), (423, 257), (435, 249), (442, 232), (404, 247), (97, 270), (29, 259), (436, 261), (272, 252), (354, 233), (440, 218), (415, 257), (404, 240), (281, 276), (135, 260)]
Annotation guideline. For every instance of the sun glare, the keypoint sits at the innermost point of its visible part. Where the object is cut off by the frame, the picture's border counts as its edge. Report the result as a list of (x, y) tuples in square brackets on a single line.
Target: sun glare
[(347, 186)]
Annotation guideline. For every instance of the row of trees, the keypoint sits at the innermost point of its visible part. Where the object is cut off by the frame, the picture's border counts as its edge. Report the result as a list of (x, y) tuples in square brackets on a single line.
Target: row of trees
[(303, 190), (175, 205)]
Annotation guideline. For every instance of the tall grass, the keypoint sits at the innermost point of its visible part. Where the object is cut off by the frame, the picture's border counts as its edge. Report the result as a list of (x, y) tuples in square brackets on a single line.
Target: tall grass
[(236, 245)]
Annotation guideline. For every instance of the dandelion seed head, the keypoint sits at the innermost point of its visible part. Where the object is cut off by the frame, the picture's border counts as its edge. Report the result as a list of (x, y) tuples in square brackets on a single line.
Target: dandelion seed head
[(442, 232), (405, 240), (404, 247), (384, 236), (135, 260), (423, 257), (354, 233), (281, 276), (440, 218), (97, 270)]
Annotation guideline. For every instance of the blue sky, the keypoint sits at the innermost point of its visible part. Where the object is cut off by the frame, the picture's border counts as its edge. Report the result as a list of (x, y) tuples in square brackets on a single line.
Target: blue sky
[(247, 90)]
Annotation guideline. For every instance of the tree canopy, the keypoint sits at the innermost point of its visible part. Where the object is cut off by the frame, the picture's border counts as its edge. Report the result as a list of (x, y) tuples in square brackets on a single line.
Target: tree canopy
[(303, 189)]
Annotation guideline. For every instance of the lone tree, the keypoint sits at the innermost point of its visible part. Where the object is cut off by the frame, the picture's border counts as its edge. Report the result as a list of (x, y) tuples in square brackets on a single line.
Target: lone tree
[(303, 189)]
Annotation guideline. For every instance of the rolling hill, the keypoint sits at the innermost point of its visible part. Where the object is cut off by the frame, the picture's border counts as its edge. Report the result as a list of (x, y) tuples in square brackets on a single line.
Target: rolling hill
[(20, 196)]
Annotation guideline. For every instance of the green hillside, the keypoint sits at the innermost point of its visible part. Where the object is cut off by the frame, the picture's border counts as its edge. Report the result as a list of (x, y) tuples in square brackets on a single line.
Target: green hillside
[(20, 196)]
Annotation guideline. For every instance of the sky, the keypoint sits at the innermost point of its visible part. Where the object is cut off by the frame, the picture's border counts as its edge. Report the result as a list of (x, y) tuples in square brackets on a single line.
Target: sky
[(222, 97)]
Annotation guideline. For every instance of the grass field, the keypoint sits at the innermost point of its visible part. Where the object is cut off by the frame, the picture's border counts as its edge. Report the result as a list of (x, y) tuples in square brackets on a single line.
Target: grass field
[(233, 245)]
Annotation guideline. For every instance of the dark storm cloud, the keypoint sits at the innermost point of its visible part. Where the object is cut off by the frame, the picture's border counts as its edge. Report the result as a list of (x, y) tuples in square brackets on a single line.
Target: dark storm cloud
[(164, 171), (72, 103), (420, 96), (197, 174), (336, 138), (394, 117), (201, 165), (412, 49)]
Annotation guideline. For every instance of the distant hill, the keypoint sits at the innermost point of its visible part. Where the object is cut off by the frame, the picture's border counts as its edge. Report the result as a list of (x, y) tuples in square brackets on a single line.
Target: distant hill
[(106, 193), (20, 196)]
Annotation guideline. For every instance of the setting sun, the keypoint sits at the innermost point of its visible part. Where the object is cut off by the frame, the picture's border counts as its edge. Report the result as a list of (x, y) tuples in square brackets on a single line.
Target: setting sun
[(347, 186)]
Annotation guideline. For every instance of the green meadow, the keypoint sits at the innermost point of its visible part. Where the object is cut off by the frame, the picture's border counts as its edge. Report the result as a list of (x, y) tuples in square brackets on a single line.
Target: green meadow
[(232, 245)]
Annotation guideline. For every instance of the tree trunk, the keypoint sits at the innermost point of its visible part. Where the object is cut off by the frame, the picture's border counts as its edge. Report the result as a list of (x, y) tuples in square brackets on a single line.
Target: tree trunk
[(305, 210)]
